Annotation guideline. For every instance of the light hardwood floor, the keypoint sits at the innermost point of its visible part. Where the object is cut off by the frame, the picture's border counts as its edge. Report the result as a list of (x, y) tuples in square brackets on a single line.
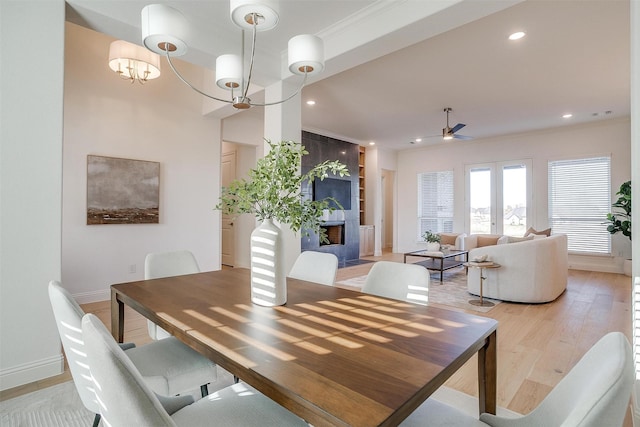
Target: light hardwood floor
[(537, 343)]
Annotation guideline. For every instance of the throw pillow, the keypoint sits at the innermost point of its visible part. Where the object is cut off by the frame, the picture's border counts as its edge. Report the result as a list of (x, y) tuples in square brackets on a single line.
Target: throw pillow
[(448, 239), (487, 241), (531, 230), (512, 239), (503, 240)]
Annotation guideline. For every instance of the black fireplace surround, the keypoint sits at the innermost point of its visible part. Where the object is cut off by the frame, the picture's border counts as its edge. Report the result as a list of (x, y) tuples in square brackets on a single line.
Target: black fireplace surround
[(342, 228)]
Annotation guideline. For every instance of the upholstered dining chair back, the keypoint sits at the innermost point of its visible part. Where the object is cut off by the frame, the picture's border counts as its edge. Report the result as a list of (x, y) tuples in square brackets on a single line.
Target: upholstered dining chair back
[(594, 393), (317, 267), (68, 315), (169, 367), (406, 282), (124, 397), (126, 400), (167, 264)]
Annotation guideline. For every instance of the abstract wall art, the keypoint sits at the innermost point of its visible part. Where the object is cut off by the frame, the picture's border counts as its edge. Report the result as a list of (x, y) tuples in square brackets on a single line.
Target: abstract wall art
[(122, 191)]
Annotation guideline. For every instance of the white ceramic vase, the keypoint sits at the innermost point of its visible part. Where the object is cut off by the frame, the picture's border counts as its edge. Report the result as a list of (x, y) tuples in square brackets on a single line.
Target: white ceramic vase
[(268, 276), (433, 246)]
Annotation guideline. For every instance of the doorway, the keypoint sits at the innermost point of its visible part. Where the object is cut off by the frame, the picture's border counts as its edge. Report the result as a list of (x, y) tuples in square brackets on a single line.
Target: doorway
[(228, 232), (498, 197), (386, 220)]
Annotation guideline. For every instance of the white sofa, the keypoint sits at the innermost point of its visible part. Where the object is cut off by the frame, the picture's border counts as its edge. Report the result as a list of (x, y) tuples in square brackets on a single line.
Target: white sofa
[(531, 271)]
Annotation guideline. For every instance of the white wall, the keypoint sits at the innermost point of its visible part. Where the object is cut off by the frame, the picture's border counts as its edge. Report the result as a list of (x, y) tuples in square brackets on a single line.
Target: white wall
[(635, 192), (603, 137), (31, 78), (245, 127), (160, 121)]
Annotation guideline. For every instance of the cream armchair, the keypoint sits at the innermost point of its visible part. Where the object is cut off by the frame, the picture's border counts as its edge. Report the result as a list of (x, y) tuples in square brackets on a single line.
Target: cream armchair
[(457, 240)]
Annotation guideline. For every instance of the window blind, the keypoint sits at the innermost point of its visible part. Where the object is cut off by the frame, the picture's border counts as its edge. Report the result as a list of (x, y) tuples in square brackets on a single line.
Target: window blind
[(579, 200), (435, 202)]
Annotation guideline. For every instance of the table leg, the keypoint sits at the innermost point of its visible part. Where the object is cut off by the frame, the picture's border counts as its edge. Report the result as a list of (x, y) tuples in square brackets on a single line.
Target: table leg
[(481, 285), (117, 317), (441, 268), (466, 261), (487, 375), (481, 302)]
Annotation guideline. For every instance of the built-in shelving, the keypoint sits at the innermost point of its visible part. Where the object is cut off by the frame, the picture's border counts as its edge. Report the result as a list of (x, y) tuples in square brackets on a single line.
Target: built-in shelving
[(361, 175)]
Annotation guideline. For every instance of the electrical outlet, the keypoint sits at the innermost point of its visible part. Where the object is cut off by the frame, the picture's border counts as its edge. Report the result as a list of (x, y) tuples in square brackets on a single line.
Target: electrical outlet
[(132, 269)]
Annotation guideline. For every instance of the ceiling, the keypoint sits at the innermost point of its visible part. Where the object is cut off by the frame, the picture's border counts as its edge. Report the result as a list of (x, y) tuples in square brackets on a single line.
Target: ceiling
[(394, 65)]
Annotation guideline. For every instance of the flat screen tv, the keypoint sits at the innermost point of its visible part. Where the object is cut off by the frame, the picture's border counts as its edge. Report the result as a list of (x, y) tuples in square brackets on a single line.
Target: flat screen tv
[(339, 189)]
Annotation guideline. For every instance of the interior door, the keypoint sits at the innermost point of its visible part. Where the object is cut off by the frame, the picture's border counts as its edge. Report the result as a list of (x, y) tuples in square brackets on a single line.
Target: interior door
[(228, 231)]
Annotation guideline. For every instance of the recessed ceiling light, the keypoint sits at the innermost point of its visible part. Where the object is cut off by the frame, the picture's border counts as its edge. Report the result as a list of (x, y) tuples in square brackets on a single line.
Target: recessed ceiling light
[(567, 116), (311, 102), (372, 143), (517, 35), (418, 139)]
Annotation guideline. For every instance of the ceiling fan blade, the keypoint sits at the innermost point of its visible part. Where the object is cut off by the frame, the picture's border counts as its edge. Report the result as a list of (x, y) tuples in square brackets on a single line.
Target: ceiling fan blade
[(457, 127), (462, 137)]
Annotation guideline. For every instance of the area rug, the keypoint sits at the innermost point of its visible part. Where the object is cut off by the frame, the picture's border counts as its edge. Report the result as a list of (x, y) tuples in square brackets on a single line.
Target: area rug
[(55, 406), (452, 292), (60, 406)]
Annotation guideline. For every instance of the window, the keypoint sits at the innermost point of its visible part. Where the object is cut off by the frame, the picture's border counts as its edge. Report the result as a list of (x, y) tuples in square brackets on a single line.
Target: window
[(435, 202), (579, 199)]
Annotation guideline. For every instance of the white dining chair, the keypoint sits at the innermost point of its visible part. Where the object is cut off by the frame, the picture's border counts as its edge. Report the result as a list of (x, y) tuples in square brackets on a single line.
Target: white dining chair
[(126, 399), (167, 264), (406, 282), (595, 393), (317, 267), (168, 366)]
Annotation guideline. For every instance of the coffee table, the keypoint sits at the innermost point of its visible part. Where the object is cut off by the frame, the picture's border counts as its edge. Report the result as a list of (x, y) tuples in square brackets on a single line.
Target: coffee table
[(439, 261)]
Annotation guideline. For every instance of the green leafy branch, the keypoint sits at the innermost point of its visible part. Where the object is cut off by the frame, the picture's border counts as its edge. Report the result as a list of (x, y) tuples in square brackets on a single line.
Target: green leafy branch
[(273, 189)]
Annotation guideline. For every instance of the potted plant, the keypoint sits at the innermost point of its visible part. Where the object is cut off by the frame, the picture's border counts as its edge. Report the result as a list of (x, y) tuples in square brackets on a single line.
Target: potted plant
[(620, 221), (432, 239), (273, 192)]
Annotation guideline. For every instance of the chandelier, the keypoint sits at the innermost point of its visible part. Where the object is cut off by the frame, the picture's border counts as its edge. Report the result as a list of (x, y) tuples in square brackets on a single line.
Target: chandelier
[(133, 62), (164, 29)]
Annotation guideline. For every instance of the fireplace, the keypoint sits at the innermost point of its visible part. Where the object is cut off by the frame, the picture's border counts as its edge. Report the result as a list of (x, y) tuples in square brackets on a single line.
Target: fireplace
[(341, 226), (334, 232)]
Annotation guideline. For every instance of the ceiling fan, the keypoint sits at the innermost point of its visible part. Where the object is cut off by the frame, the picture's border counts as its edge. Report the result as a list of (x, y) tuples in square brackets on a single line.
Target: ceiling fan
[(450, 132), (447, 132)]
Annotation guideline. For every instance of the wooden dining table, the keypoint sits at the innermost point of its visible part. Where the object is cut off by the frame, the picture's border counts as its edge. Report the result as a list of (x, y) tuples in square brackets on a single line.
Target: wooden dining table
[(333, 356)]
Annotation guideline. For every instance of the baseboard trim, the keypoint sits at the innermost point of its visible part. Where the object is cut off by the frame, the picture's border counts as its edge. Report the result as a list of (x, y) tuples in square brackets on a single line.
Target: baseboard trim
[(585, 266), (31, 372), (95, 296)]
